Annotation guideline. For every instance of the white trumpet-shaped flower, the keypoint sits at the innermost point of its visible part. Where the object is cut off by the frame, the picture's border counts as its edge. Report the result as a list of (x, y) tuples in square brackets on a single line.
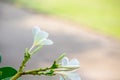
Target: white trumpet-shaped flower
[(67, 69), (68, 75), (73, 64), (40, 37)]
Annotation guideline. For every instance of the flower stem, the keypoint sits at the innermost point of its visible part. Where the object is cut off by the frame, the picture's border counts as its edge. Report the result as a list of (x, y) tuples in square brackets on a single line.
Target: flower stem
[(34, 51), (22, 65), (16, 76), (30, 72), (31, 48)]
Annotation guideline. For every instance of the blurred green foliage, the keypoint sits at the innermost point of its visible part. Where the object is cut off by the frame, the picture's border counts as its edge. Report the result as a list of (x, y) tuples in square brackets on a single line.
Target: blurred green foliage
[(100, 15)]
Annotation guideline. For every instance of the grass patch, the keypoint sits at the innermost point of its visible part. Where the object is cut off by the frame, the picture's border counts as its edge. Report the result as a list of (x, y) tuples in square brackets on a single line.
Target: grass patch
[(100, 15)]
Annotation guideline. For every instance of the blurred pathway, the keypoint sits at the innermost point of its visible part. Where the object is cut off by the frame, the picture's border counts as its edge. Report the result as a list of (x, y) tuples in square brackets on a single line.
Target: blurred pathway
[(99, 56)]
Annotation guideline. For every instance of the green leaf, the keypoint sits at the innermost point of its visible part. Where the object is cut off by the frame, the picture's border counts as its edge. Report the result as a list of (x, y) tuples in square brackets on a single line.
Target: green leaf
[(6, 78), (0, 73), (27, 54), (50, 72), (7, 72), (10, 78), (54, 65), (60, 57)]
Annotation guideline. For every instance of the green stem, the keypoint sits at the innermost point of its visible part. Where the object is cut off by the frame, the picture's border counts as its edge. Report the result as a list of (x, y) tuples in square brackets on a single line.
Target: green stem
[(30, 72), (16, 76), (35, 72), (20, 71), (41, 71), (27, 56), (23, 64)]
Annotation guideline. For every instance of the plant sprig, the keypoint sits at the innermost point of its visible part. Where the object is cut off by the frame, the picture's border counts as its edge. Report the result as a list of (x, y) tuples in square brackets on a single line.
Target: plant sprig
[(61, 65)]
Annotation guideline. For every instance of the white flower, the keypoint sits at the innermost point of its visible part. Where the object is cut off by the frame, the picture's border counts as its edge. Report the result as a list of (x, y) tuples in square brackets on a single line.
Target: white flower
[(40, 37), (67, 75), (67, 69), (73, 64)]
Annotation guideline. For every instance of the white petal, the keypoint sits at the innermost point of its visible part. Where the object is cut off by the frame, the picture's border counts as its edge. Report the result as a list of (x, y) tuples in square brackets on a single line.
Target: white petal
[(35, 30), (46, 42), (74, 62), (73, 76), (65, 61), (40, 37), (62, 78)]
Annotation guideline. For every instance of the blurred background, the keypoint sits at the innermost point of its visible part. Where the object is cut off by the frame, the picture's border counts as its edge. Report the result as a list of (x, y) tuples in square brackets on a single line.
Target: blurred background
[(88, 30)]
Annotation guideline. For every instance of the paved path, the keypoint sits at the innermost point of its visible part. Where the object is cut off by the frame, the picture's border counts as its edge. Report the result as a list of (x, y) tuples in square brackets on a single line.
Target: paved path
[(99, 56)]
